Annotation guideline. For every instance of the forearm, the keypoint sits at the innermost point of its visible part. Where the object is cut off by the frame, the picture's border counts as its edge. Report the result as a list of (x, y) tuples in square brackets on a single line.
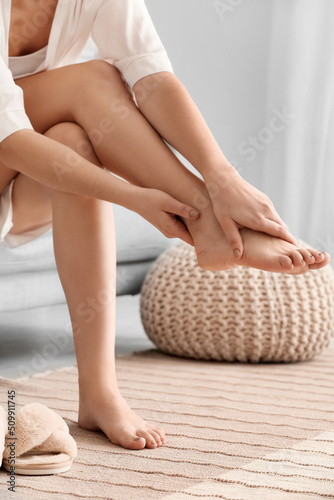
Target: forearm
[(167, 105), (59, 167)]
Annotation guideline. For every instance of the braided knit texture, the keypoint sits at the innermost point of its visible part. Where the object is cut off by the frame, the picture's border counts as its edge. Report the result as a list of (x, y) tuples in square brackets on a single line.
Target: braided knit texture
[(242, 314)]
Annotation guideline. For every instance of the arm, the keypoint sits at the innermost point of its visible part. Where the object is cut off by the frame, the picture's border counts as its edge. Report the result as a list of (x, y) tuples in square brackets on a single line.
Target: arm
[(167, 105), (59, 167)]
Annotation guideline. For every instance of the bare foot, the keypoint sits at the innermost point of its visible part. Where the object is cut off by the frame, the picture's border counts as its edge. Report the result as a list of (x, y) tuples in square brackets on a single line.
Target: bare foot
[(273, 254), (261, 251), (109, 412)]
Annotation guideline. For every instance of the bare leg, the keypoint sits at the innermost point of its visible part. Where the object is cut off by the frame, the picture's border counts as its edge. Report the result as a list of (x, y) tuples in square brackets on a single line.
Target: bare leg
[(128, 145), (84, 244)]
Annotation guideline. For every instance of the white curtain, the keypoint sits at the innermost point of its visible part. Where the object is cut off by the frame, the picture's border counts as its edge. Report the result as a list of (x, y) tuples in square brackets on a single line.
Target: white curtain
[(299, 164)]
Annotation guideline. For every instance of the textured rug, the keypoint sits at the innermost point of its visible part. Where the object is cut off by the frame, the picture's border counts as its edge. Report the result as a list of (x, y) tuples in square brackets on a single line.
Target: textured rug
[(234, 431)]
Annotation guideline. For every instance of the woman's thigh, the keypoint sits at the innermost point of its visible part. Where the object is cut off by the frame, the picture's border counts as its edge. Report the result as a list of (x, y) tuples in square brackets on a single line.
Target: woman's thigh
[(6, 176), (32, 207), (51, 99), (53, 96), (48, 99)]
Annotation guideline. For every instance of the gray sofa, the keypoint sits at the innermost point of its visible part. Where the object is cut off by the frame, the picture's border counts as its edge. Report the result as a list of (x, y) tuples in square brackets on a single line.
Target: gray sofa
[(28, 274)]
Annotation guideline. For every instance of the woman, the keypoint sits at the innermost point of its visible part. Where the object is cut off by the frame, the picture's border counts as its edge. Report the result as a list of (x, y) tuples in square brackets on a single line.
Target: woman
[(80, 119)]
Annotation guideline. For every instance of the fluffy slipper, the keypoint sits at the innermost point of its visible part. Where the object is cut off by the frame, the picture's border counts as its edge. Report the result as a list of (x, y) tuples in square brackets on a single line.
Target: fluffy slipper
[(3, 431), (43, 444)]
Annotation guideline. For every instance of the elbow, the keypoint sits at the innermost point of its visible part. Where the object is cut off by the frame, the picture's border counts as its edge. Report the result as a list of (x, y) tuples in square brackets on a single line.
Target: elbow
[(149, 85)]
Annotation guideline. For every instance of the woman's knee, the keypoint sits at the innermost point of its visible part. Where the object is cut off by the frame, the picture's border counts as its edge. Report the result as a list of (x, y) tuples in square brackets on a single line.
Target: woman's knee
[(100, 77), (98, 70), (66, 132), (72, 135)]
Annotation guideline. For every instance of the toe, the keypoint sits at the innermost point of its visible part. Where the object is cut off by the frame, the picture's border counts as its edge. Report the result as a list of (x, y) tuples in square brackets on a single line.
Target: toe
[(150, 440), (307, 256), (161, 434), (286, 263), (319, 265), (155, 436), (318, 256), (297, 259), (133, 441)]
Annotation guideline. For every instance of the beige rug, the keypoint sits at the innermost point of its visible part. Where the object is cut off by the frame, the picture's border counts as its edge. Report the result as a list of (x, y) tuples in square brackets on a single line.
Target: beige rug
[(234, 431)]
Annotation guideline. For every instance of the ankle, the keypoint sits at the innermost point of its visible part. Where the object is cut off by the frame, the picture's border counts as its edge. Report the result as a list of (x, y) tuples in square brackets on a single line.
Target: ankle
[(97, 386), (205, 228), (99, 396)]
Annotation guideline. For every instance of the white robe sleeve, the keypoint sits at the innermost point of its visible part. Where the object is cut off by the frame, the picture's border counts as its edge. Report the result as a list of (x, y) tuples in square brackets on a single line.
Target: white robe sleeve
[(126, 37), (12, 113)]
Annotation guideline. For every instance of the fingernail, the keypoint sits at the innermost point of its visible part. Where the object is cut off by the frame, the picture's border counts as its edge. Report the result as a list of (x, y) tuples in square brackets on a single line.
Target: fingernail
[(237, 254), (193, 214)]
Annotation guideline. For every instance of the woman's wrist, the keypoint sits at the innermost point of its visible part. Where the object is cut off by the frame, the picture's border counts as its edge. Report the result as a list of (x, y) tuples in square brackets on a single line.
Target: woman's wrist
[(216, 166), (133, 198), (219, 176)]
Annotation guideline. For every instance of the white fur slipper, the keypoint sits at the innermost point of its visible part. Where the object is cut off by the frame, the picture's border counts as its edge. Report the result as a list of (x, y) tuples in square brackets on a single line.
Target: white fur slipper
[(3, 431), (43, 443)]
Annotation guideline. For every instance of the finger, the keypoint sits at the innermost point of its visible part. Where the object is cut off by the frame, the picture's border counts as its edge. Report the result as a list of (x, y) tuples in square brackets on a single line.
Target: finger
[(286, 235), (181, 209), (179, 230), (274, 229), (233, 236)]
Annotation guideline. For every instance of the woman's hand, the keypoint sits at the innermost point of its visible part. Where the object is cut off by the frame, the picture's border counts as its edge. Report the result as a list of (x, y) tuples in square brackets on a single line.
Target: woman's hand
[(162, 210), (237, 204)]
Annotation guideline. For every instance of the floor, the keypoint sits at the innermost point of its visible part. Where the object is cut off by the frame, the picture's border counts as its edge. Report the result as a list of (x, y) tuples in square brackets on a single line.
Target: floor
[(38, 340)]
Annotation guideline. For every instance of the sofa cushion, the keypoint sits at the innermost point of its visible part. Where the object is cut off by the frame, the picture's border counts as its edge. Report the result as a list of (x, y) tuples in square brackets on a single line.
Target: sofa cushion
[(136, 240), (41, 289)]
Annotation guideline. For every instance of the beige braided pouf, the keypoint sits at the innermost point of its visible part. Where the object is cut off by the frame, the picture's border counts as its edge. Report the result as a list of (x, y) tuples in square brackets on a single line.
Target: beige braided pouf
[(242, 314)]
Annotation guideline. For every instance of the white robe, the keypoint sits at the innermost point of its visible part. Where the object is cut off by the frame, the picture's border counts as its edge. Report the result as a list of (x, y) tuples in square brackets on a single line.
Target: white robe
[(122, 30)]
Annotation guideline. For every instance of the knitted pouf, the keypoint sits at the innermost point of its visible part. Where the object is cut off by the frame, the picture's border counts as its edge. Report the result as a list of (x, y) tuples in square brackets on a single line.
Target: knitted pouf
[(242, 314)]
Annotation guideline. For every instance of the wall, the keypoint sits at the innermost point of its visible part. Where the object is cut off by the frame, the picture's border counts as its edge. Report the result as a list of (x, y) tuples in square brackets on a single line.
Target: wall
[(247, 63), (220, 54)]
